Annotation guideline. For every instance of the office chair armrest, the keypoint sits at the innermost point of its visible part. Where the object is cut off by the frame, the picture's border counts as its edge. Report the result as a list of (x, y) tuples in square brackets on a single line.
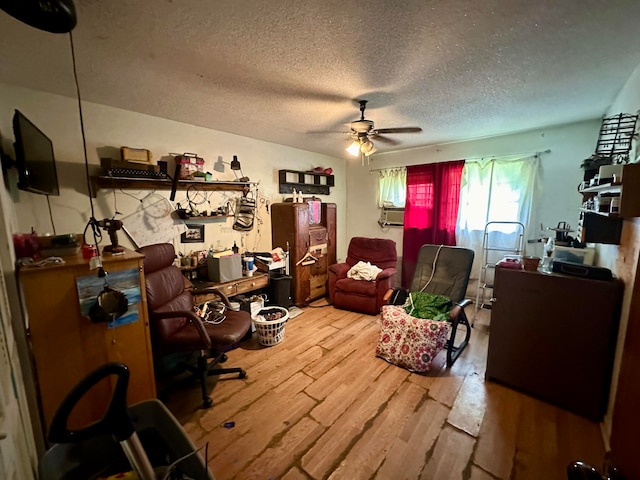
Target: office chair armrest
[(212, 290), (192, 317)]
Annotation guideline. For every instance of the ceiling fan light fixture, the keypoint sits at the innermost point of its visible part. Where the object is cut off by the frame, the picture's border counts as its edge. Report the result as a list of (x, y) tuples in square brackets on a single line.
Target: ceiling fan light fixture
[(354, 148), (368, 148)]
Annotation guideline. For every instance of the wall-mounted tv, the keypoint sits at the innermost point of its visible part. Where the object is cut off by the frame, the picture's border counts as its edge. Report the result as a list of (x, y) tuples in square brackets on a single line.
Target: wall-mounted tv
[(34, 158)]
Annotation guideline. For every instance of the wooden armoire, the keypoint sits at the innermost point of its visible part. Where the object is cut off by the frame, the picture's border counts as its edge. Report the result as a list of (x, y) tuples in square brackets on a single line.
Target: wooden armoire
[(290, 225)]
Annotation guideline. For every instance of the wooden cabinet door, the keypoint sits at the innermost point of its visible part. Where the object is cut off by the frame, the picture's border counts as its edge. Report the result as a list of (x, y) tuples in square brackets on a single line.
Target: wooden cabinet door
[(329, 221), (290, 226), (66, 345)]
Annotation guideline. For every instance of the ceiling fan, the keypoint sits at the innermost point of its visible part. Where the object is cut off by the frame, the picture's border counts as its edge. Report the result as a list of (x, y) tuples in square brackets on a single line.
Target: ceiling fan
[(363, 130), (55, 16)]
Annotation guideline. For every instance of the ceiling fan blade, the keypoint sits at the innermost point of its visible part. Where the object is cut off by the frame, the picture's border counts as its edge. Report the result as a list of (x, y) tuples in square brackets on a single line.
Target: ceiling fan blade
[(383, 139), (399, 130), (345, 132)]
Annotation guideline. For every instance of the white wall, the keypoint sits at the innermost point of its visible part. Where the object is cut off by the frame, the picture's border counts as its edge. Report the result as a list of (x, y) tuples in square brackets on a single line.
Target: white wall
[(561, 174), (107, 129)]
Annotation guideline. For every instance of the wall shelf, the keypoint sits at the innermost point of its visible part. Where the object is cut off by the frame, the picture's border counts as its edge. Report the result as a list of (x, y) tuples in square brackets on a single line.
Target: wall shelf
[(603, 214), (309, 183), (102, 182), (603, 226), (207, 217)]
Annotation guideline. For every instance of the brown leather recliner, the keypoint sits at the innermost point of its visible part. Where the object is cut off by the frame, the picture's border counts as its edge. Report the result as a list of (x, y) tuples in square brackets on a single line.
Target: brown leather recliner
[(360, 295), (174, 326)]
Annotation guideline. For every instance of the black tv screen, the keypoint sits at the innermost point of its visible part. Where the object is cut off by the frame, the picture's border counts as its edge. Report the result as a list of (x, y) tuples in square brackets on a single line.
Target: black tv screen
[(34, 158)]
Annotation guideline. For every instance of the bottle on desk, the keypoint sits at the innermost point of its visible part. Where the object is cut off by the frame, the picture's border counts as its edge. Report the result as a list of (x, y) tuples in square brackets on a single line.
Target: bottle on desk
[(547, 262)]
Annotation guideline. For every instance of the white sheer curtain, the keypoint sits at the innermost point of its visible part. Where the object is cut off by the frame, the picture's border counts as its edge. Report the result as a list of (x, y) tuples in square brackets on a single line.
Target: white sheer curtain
[(496, 190), (392, 187)]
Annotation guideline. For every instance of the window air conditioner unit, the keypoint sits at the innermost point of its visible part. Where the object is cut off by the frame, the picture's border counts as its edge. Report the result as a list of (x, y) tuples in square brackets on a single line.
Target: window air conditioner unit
[(391, 217)]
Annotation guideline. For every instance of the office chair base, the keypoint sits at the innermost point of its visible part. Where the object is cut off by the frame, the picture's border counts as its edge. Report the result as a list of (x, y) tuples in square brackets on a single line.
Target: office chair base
[(206, 369)]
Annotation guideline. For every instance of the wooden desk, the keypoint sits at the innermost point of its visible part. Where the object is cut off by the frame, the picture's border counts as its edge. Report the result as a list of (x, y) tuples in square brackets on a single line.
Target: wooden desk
[(66, 345), (234, 287), (553, 336)]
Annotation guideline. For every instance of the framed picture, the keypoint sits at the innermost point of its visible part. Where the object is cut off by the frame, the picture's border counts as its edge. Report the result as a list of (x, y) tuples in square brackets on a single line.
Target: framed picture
[(194, 234)]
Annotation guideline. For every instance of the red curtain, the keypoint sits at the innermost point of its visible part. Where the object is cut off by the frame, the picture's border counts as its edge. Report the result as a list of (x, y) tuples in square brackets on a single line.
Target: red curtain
[(431, 210)]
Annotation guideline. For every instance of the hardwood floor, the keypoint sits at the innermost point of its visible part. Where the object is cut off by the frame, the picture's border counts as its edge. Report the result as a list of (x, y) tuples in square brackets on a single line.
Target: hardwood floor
[(320, 405)]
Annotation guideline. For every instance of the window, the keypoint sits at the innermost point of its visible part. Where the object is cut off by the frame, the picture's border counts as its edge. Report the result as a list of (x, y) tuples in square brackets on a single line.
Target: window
[(495, 191), (392, 187)]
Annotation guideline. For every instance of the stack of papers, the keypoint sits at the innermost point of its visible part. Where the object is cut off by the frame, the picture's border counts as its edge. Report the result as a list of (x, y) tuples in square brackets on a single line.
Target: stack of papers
[(224, 253), (276, 260)]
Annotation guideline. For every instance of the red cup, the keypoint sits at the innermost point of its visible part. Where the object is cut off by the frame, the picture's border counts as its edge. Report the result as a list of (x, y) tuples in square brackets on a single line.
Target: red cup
[(25, 245), (89, 251)]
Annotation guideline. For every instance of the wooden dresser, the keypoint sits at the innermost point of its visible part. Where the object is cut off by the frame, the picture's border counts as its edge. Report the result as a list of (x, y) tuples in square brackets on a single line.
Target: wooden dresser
[(66, 345), (290, 225), (553, 336)]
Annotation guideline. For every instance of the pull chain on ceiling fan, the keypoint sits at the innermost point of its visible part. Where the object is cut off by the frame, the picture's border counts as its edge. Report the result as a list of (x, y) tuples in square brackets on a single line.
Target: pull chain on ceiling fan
[(363, 130)]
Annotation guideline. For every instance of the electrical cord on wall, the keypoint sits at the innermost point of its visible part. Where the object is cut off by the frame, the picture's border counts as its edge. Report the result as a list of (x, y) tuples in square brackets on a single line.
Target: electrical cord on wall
[(433, 268), (53, 225), (92, 223)]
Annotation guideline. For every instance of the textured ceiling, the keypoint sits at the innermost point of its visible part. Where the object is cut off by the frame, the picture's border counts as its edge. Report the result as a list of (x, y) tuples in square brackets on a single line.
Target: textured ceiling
[(284, 71)]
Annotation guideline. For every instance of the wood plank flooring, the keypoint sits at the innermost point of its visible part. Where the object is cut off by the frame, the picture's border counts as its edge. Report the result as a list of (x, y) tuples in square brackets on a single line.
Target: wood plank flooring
[(320, 405)]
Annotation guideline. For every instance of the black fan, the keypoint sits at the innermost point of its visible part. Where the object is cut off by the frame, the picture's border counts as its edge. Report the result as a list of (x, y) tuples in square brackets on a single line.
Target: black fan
[(55, 16)]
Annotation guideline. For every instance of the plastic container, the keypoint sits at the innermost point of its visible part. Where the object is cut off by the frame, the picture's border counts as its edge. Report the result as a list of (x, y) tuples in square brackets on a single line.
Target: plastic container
[(270, 332), (530, 264)]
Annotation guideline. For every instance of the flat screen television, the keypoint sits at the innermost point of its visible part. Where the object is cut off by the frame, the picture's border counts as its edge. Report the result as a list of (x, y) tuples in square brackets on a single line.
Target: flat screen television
[(34, 158)]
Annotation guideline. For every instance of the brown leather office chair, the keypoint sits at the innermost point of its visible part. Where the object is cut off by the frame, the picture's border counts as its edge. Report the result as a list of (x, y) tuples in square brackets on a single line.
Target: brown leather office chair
[(174, 326), (359, 295)]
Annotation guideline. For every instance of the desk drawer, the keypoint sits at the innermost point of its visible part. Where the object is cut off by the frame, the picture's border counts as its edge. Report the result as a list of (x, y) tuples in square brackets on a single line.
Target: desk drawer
[(318, 286), (318, 236), (250, 284), (234, 287), (319, 267)]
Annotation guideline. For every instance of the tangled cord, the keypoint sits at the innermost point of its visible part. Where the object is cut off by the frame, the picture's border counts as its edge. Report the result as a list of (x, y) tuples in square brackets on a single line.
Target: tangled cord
[(30, 262)]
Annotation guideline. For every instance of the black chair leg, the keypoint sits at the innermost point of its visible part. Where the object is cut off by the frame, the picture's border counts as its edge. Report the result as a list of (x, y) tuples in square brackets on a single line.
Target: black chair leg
[(453, 351), (203, 373)]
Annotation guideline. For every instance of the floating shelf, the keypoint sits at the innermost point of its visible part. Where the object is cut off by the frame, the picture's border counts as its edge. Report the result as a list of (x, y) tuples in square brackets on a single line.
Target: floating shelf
[(310, 183), (605, 188), (101, 182), (207, 217), (603, 214)]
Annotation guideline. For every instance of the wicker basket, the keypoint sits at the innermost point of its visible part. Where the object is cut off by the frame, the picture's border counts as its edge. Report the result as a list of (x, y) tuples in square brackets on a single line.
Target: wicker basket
[(270, 332)]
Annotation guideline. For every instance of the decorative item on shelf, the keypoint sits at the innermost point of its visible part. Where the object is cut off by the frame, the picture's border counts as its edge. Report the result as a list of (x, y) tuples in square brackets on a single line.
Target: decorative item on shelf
[(190, 164), (327, 171), (136, 155), (234, 165)]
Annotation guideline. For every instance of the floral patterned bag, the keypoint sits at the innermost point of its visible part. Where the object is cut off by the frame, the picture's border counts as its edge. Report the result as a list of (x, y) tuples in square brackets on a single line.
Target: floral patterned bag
[(410, 342)]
